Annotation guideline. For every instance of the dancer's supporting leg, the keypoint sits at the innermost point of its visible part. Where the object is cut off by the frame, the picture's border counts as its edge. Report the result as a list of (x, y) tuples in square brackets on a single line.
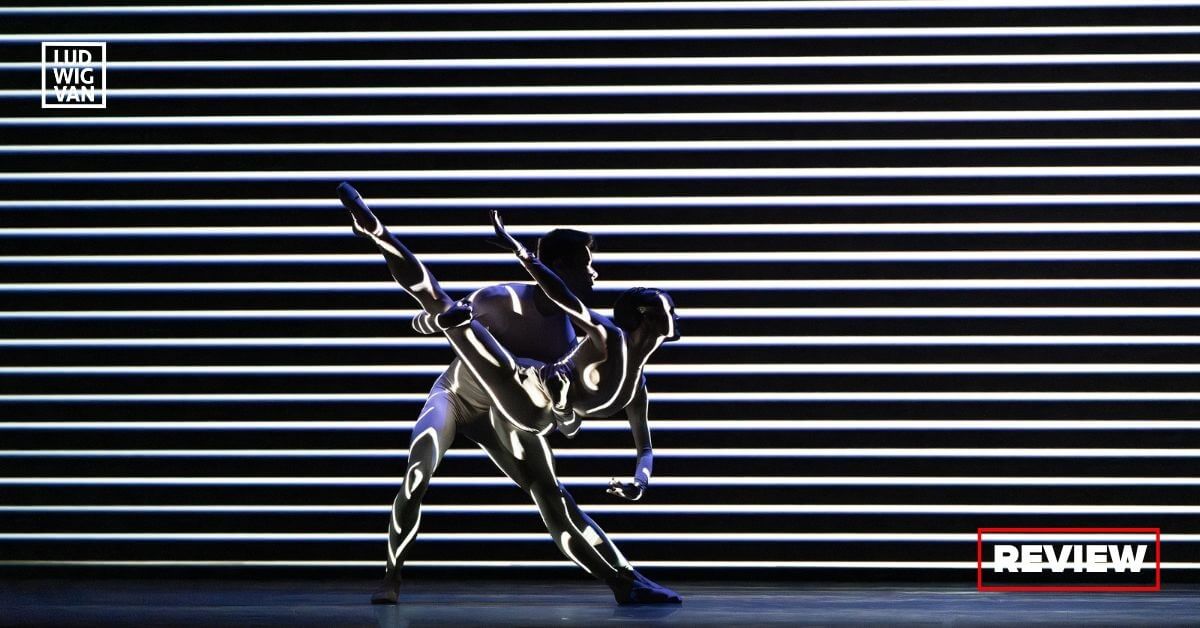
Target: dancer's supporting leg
[(431, 436), (527, 460), (492, 364)]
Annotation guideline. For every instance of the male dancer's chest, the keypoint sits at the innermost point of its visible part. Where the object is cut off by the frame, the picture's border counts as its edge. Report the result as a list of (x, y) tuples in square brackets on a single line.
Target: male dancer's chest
[(525, 331)]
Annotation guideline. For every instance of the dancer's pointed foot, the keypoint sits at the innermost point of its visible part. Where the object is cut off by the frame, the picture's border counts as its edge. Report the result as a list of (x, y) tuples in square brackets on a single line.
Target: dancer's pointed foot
[(387, 593), (631, 587), (363, 221)]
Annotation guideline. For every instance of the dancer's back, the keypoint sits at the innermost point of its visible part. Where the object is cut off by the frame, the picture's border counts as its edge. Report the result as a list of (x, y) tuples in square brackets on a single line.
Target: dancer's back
[(509, 311)]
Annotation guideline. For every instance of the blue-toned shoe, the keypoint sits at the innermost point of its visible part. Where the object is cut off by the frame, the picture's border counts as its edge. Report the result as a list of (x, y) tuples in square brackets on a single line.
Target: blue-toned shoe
[(362, 221), (631, 587)]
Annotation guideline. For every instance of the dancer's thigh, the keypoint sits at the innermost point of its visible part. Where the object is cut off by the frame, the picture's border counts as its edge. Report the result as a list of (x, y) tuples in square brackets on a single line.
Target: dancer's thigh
[(523, 456), (433, 432), (510, 387)]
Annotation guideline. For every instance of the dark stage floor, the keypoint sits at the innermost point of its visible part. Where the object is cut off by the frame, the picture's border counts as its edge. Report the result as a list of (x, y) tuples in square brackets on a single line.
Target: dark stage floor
[(446, 602)]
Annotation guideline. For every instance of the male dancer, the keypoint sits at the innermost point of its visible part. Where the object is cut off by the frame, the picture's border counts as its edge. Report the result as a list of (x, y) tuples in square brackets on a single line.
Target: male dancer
[(525, 321)]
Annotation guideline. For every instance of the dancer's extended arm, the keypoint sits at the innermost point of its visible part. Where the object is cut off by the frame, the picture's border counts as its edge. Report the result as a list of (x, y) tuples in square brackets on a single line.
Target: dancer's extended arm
[(552, 285), (638, 412)]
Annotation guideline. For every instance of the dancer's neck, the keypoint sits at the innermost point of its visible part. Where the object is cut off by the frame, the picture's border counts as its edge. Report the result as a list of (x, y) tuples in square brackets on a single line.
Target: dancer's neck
[(641, 344)]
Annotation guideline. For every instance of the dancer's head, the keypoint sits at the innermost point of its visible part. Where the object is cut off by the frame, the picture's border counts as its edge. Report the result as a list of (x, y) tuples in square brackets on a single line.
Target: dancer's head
[(569, 254), (650, 309)]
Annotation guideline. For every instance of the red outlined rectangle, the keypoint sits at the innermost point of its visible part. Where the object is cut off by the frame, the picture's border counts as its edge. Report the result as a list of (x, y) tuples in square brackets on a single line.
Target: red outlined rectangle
[(1157, 586)]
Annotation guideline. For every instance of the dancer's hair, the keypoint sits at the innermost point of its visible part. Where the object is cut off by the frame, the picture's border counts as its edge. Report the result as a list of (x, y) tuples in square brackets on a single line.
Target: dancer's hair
[(565, 245), (634, 304)]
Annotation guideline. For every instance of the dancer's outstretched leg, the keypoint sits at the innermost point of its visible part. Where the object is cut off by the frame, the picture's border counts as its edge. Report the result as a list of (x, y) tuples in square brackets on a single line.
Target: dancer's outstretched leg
[(527, 460), (406, 268), (492, 364), (431, 436)]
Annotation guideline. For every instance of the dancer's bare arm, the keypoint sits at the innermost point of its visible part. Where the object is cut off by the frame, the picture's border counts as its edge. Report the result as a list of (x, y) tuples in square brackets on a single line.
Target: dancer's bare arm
[(553, 286), (638, 411)]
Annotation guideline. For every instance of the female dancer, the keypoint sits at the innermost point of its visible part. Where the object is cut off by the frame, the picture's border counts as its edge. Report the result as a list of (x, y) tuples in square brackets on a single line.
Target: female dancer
[(599, 377)]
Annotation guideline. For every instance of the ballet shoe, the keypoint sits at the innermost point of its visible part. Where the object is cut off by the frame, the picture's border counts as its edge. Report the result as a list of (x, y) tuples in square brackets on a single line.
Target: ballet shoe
[(387, 593), (631, 587), (362, 221)]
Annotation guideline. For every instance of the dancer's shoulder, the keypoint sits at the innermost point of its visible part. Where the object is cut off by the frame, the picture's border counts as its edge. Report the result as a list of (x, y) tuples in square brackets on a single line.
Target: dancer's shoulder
[(501, 300), (602, 320), (492, 294), (614, 336)]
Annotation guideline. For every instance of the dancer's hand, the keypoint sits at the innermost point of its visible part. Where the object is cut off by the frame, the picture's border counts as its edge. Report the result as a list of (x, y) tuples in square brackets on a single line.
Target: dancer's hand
[(506, 241), (568, 424), (458, 314), (632, 491)]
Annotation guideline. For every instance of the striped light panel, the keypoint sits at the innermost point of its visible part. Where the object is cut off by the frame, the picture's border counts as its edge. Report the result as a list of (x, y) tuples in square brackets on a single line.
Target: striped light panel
[(935, 261)]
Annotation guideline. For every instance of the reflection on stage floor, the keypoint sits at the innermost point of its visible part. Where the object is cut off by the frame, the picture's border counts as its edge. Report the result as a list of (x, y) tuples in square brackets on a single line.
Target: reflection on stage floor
[(345, 603)]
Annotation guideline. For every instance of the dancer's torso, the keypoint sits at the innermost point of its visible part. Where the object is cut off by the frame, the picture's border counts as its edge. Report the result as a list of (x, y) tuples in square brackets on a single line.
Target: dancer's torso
[(510, 313), (605, 380)]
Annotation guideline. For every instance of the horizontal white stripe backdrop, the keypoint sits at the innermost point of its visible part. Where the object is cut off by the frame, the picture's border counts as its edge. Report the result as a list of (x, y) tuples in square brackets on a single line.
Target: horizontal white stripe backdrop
[(690, 257), (610, 34), (652, 369), (656, 423), (733, 313), (603, 481), (764, 117), (662, 145), (698, 341), (567, 7), (728, 452), (1048, 141)]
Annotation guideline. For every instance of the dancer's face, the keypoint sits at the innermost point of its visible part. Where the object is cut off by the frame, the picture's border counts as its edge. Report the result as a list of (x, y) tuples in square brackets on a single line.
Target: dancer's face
[(578, 273), (669, 321), (664, 318)]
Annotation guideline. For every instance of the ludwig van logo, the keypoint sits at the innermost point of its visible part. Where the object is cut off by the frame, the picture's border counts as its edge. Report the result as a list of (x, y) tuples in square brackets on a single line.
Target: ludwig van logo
[(1069, 559), (74, 74)]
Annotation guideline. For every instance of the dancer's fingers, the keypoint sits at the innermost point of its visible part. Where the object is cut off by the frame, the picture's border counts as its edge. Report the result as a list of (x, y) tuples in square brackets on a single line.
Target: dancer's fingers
[(626, 490), (504, 239), (498, 226)]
